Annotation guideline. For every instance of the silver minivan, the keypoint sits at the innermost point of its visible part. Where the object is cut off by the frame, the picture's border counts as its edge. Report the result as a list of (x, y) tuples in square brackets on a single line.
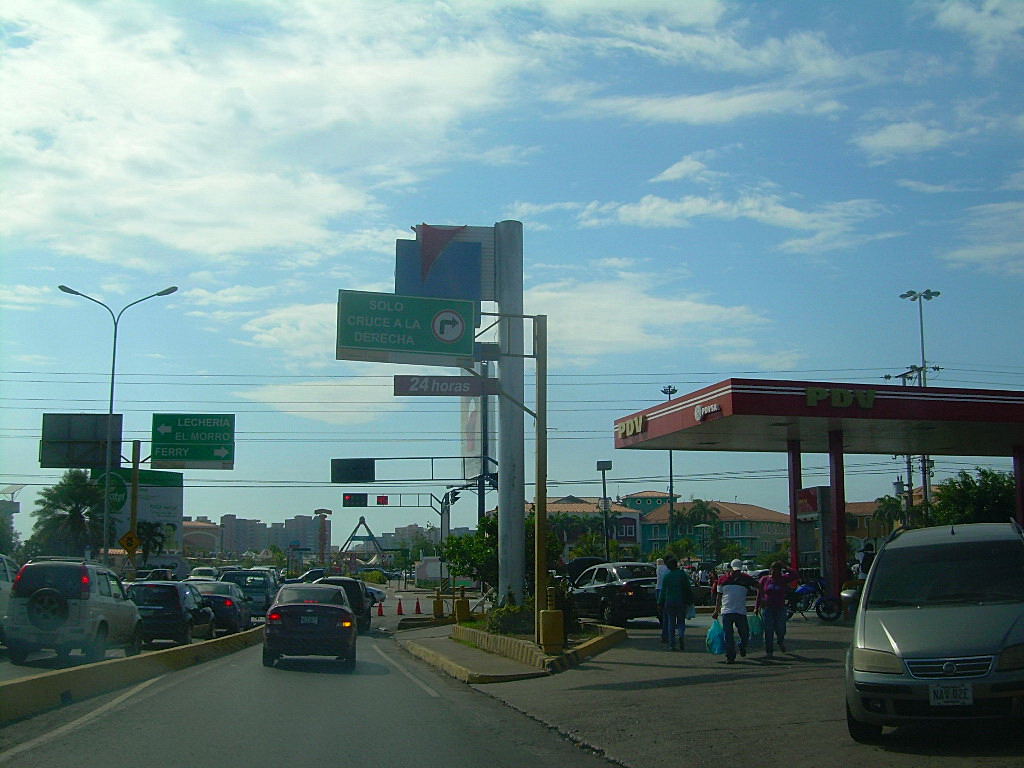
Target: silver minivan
[(939, 635)]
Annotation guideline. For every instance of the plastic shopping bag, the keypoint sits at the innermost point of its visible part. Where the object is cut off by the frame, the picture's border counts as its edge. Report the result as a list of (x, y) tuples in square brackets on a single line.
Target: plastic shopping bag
[(756, 626), (691, 611), (716, 638)]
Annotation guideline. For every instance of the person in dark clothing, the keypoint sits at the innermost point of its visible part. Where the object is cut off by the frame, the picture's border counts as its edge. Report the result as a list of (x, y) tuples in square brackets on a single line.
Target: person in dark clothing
[(771, 604), (676, 595)]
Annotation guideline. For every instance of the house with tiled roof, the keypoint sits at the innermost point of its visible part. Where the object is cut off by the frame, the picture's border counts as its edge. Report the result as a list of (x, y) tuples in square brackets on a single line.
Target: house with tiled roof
[(757, 530), (623, 521)]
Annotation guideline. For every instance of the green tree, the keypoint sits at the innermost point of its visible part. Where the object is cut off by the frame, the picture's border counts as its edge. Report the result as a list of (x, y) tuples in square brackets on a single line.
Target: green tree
[(69, 516), (987, 497), (153, 538), (592, 545)]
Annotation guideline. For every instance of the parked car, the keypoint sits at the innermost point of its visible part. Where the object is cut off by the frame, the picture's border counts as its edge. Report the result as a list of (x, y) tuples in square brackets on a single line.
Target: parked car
[(230, 605), (172, 610), (63, 604), (615, 592), (310, 620), (359, 597), (377, 595), (257, 585), (938, 635)]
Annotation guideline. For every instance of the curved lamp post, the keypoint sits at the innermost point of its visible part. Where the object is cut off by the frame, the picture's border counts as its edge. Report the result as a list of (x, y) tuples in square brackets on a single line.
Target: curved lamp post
[(110, 410)]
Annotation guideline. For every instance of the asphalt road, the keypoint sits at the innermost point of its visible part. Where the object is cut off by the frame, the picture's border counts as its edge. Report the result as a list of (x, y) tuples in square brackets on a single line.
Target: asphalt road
[(235, 713)]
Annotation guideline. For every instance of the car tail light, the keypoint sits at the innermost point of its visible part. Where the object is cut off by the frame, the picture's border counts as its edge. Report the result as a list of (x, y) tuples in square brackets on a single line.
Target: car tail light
[(344, 623), (85, 583), (627, 590), (228, 602), (274, 617), (14, 584)]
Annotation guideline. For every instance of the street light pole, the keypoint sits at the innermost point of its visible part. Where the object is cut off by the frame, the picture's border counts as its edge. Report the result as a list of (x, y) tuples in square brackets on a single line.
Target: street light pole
[(921, 297), (604, 466), (668, 390), (110, 409)]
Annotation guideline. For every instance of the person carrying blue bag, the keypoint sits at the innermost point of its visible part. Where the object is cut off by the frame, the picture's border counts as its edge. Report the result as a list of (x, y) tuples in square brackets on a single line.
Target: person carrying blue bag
[(676, 595), (731, 605)]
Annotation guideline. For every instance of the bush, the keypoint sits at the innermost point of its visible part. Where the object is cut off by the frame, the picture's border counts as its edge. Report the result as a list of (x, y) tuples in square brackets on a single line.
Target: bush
[(374, 577), (511, 620)]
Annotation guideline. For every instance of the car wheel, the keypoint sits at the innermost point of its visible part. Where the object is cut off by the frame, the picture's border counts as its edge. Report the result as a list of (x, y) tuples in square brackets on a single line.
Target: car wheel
[(348, 663), (134, 647), (97, 650), (862, 733), (269, 657), (18, 654), (47, 609), (185, 638)]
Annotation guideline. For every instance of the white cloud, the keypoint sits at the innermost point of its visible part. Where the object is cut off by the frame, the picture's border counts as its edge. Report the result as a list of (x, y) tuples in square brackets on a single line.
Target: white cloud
[(906, 138), (299, 332), (993, 27), (25, 297), (925, 187), (345, 402), (994, 239), (692, 166), (237, 294)]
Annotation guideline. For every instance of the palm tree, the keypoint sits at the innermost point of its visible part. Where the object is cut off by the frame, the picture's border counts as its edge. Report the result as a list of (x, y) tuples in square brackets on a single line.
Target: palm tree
[(153, 537), (69, 515)]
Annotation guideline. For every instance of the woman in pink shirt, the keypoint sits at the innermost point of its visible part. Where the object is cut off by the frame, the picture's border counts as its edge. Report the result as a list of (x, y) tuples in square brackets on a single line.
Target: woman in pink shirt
[(771, 604)]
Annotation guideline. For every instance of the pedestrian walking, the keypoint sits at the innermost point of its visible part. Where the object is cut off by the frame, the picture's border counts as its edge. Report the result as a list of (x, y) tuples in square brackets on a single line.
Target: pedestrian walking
[(771, 605), (676, 595), (660, 570), (731, 604)]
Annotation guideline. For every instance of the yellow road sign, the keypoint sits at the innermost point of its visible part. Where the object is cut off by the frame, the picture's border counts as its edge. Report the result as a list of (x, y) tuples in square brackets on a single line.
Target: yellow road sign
[(131, 542)]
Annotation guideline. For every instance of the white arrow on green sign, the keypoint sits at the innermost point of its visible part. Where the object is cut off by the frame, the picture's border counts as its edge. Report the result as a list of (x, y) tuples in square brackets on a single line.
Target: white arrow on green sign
[(419, 330), (193, 441)]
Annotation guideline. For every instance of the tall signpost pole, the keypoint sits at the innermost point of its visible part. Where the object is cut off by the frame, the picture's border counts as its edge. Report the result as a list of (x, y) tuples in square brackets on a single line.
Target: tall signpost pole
[(540, 550), (508, 247)]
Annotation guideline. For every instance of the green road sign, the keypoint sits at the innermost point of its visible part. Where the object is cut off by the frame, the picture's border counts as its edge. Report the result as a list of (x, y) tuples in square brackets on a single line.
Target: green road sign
[(419, 330), (193, 441)]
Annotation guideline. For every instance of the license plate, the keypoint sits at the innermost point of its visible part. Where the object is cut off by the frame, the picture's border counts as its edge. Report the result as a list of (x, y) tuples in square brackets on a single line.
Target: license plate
[(950, 694), (307, 620)]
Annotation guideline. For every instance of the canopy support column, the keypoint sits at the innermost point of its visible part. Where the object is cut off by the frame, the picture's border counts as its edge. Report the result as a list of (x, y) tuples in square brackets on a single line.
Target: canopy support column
[(837, 482), (795, 482), (1018, 475)]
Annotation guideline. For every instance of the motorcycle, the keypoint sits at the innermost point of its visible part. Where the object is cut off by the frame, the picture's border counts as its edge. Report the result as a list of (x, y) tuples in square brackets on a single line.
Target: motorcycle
[(812, 595)]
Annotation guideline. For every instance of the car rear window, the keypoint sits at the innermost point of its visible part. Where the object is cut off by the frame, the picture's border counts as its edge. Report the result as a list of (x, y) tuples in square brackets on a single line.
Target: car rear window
[(244, 580), (213, 587), (153, 594), (66, 578), (311, 595), (636, 571), (948, 574)]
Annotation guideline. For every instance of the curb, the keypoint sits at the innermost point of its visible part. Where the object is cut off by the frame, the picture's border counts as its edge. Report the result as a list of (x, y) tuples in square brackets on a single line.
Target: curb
[(32, 695)]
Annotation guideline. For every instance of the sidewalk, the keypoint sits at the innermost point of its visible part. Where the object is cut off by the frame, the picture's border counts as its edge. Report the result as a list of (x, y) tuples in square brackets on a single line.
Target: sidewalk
[(470, 665)]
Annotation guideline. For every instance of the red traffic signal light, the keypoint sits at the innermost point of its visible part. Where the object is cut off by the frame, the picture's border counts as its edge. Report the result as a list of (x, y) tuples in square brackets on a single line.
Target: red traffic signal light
[(382, 501), (353, 500)]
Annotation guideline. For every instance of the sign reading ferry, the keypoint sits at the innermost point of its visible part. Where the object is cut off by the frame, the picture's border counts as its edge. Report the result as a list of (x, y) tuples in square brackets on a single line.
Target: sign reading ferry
[(193, 441), (387, 327)]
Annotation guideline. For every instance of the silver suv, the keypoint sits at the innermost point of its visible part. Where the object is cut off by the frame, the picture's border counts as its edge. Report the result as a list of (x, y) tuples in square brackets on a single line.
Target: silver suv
[(63, 604), (939, 634)]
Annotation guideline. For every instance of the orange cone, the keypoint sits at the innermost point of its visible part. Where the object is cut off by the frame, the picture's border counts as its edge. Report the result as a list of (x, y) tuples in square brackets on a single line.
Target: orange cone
[(399, 612), (418, 606), (380, 609)]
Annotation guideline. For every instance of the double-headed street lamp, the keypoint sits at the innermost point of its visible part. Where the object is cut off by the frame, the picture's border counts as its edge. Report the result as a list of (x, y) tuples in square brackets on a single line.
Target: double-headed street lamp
[(110, 410), (922, 379), (668, 390)]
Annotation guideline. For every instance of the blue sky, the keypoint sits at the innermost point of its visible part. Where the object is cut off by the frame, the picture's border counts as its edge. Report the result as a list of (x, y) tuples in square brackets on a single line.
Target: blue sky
[(708, 189)]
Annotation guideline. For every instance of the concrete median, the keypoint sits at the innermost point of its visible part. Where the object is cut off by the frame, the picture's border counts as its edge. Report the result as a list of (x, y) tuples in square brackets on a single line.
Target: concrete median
[(29, 696)]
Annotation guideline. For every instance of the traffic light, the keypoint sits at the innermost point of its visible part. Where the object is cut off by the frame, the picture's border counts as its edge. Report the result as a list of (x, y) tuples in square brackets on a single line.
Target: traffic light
[(353, 500), (382, 501)]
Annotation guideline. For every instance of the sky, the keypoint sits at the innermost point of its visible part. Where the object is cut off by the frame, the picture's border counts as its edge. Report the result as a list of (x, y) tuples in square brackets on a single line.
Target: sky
[(707, 190)]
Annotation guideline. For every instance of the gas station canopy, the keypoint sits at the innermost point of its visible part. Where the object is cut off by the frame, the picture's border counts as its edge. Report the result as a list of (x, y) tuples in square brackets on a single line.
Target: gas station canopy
[(765, 415)]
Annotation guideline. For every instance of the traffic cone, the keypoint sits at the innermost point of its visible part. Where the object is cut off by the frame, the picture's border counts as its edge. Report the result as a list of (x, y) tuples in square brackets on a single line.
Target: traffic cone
[(399, 612), (380, 609), (418, 606)]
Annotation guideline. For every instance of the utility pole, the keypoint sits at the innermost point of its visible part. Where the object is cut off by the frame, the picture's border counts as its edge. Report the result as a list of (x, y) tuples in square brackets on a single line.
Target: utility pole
[(668, 390)]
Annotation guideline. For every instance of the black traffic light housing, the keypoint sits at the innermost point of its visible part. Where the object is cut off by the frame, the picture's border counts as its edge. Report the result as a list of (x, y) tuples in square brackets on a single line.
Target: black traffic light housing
[(353, 500)]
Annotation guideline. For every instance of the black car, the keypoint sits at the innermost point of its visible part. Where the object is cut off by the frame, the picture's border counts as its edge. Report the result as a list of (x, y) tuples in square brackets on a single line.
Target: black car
[(172, 610), (230, 605), (359, 597), (310, 620), (615, 592), (308, 577), (259, 586)]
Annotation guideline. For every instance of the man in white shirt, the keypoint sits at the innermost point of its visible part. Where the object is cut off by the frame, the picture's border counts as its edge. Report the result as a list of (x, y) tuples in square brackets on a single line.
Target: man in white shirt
[(731, 604)]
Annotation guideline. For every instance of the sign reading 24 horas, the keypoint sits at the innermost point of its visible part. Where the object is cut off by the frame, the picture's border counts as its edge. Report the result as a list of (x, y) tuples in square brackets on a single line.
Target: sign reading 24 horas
[(387, 327), (193, 441)]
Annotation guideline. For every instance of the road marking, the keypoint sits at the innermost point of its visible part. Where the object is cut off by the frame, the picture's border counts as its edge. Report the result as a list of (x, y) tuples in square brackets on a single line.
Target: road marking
[(58, 732), (430, 691)]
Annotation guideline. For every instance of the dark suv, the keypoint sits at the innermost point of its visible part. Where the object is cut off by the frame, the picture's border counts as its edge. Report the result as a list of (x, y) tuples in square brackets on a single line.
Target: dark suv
[(172, 610), (63, 604), (359, 598), (615, 592)]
